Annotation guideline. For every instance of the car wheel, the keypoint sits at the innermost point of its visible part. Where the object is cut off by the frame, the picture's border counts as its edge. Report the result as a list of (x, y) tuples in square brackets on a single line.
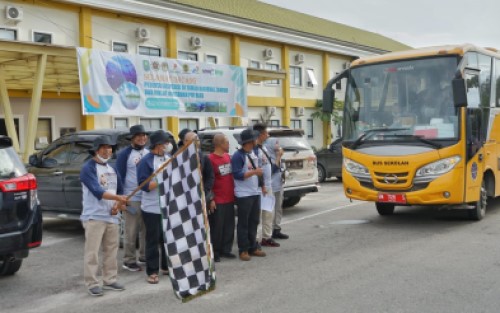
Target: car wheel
[(9, 267), (385, 208), (339, 178), (321, 173), (289, 202), (479, 210)]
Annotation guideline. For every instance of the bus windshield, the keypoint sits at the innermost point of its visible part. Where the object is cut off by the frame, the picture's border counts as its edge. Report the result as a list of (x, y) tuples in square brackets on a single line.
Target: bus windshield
[(413, 97)]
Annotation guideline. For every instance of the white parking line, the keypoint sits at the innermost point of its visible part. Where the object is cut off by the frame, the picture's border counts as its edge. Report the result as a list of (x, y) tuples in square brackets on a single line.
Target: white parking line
[(321, 213)]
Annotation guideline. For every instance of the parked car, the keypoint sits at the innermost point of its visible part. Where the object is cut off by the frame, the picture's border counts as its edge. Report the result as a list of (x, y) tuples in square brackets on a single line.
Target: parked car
[(20, 213), (330, 161), (57, 169), (301, 176)]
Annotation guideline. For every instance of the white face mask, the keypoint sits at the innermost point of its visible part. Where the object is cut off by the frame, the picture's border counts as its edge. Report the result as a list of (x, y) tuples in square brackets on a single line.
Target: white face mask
[(101, 159), (168, 147)]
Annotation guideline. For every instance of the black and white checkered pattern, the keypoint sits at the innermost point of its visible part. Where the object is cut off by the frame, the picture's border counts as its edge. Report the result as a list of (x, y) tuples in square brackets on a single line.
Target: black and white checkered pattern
[(186, 238)]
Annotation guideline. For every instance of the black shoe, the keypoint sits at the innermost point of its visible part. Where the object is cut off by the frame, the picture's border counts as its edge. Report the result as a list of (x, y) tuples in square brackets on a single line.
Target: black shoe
[(277, 234), (228, 255), (216, 258)]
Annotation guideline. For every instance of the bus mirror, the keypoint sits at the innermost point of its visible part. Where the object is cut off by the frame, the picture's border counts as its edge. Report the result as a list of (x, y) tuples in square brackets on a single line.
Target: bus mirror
[(328, 96), (459, 93)]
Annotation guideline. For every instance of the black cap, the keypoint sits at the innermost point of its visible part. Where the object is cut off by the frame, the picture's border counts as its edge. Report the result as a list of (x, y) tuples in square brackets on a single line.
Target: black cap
[(100, 141), (183, 133), (158, 137), (248, 135), (136, 130)]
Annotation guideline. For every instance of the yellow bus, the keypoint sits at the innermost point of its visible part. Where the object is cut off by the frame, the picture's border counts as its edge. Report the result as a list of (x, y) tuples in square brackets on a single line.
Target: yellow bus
[(422, 127)]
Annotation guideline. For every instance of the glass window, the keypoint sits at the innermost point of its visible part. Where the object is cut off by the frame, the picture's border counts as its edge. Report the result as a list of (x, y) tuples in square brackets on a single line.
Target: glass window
[(253, 122), (272, 67), (274, 123), (43, 133), (311, 78), (338, 85), (119, 47), (188, 56), (485, 79), (8, 34), (296, 124), (42, 37), (60, 154), (295, 76), (151, 123), (121, 122), (310, 129), (3, 127), (211, 59), (80, 152), (190, 123), (151, 51), (254, 64), (10, 164)]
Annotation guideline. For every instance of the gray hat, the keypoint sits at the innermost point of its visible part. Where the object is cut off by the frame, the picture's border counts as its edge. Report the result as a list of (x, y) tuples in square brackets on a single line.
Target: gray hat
[(100, 141), (248, 135), (158, 137), (137, 129)]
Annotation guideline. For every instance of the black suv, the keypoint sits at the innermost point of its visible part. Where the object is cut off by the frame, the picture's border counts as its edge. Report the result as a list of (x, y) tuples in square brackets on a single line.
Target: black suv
[(20, 213)]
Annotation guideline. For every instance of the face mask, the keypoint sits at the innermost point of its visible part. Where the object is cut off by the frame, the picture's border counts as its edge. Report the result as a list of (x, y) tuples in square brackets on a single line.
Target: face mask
[(168, 147), (101, 159)]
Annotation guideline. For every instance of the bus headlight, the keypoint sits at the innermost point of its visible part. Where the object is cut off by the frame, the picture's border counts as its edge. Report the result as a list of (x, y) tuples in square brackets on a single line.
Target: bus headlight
[(355, 168), (438, 168)]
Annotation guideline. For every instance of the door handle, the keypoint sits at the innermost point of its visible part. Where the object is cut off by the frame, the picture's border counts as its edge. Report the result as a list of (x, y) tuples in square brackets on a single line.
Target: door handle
[(58, 173)]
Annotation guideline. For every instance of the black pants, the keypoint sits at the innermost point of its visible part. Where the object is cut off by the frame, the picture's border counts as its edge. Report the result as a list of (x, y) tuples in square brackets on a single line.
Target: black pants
[(154, 237), (222, 228), (248, 220)]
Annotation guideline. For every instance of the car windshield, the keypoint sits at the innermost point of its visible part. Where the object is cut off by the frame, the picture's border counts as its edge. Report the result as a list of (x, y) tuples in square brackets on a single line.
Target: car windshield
[(10, 164), (293, 143), (415, 97)]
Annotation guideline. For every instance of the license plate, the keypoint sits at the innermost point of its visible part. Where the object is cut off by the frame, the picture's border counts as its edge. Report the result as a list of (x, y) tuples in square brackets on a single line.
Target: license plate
[(399, 198)]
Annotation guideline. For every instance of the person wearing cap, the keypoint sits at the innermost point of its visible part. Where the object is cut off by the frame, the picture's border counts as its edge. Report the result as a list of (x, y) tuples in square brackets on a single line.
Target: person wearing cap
[(150, 204), (265, 162), (102, 198), (247, 189), (126, 165)]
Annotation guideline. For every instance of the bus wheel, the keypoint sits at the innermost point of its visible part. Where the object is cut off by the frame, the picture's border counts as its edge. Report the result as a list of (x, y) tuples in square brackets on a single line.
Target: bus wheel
[(385, 208), (479, 210)]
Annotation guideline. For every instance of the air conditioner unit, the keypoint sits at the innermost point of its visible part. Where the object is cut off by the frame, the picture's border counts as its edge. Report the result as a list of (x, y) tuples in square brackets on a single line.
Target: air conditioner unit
[(142, 34), (267, 54), (300, 111), (271, 111), (13, 13), (299, 58), (195, 42)]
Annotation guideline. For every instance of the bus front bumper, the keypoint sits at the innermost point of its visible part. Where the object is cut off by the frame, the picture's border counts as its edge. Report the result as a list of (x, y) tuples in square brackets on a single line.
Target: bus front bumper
[(444, 190)]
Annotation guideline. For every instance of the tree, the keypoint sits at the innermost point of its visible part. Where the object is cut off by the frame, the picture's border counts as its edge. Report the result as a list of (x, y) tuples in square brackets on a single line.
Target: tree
[(328, 118)]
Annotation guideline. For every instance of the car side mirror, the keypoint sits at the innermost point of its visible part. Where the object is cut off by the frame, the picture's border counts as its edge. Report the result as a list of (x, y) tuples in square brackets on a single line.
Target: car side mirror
[(33, 160), (49, 163), (459, 93)]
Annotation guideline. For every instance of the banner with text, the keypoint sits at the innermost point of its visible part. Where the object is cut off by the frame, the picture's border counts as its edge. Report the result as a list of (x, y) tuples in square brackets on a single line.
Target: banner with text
[(125, 84)]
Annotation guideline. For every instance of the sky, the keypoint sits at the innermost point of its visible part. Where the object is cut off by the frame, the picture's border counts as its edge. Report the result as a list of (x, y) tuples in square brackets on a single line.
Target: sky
[(418, 23)]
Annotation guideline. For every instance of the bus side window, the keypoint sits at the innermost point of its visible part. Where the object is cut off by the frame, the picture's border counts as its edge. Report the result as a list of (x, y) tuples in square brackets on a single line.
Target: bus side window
[(472, 87)]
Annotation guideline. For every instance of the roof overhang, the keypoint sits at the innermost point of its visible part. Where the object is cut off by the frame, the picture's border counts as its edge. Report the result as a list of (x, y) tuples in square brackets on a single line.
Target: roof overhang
[(18, 64)]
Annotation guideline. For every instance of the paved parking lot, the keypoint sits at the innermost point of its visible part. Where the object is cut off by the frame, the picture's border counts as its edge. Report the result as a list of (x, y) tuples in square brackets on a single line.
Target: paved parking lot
[(341, 257)]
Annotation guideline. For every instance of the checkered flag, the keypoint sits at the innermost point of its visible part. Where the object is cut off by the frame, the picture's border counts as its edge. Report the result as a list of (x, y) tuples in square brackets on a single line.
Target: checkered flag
[(187, 236)]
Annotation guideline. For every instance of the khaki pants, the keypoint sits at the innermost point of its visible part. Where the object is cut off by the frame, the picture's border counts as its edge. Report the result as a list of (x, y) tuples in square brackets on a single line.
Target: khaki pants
[(134, 225), (106, 235), (278, 209)]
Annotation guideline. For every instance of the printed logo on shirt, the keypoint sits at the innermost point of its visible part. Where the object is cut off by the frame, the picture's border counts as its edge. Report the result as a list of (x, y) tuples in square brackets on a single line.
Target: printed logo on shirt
[(225, 169), (108, 181)]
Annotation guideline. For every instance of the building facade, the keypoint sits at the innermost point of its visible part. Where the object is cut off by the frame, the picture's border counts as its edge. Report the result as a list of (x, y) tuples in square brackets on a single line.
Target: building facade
[(220, 31)]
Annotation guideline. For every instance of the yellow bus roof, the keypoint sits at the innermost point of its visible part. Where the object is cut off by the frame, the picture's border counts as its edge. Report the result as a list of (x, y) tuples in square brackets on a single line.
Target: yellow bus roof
[(426, 52)]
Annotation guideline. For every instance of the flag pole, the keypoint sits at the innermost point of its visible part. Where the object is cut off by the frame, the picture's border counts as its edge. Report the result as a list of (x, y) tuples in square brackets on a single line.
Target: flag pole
[(182, 149)]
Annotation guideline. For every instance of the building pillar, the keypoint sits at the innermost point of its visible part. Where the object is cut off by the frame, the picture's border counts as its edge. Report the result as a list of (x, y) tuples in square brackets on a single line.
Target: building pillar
[(85, 24), (36, 99), (172, 121), (327, 125), (7, 111), (285, 63)]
